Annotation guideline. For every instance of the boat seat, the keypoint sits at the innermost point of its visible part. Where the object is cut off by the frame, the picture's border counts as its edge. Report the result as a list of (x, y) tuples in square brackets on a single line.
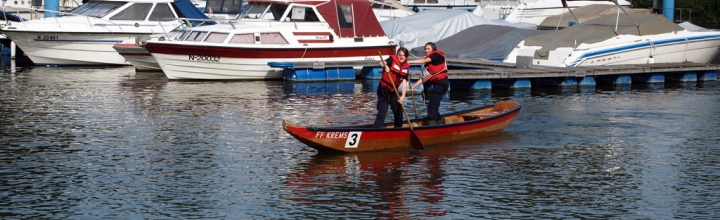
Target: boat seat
[(454, 119), (480, 114)]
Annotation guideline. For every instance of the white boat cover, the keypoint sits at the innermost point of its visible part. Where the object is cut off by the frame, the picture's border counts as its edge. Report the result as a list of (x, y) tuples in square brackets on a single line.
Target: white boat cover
[(481, 42), (586, 13), (692, 27), (434, 25), (600, 29)]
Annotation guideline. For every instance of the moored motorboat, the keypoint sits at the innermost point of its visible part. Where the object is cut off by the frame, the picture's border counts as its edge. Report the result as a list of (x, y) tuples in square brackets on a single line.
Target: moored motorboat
[(619, 39), (135, 53), (389, 9), (85, 35), (461, 125), (274, 31), (535, 11)]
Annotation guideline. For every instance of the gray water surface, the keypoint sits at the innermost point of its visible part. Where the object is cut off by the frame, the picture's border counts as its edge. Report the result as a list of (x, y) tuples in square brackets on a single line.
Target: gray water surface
[(91, 143)]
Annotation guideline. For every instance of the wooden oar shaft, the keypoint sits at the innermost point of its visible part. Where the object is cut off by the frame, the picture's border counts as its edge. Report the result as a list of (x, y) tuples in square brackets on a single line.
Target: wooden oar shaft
[(412, 131)]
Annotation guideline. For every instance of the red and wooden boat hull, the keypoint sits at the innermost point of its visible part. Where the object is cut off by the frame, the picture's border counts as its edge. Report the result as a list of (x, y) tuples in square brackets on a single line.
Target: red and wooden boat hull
[(464, 125)]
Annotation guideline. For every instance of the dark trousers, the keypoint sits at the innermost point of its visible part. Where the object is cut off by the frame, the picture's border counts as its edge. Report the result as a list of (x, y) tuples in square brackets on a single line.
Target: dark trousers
[(435, 92), (385, 99)]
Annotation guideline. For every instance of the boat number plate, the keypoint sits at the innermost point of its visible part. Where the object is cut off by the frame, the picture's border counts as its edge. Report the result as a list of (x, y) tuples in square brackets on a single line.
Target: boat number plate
[(47, 37), (353, 139)]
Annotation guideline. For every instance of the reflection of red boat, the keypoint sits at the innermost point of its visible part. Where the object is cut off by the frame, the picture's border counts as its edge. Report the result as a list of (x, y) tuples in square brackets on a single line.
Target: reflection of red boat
[(391, 183), (462, 125)]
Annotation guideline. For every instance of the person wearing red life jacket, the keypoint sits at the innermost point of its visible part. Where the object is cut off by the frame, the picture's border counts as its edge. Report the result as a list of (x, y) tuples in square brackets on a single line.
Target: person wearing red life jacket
[(395, 72), (436, 81)]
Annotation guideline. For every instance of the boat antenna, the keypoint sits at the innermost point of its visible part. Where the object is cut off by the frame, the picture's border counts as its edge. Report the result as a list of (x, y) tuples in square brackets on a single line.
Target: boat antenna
[(628, 15), (352, 12)]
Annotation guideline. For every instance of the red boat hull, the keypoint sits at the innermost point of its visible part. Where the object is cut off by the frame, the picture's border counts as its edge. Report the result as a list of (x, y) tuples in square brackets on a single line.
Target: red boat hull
[(463, 125)]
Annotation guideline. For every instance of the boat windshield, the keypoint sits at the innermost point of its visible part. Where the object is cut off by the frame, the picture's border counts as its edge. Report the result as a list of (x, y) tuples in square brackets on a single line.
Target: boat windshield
[(256, 9), (97, 9)]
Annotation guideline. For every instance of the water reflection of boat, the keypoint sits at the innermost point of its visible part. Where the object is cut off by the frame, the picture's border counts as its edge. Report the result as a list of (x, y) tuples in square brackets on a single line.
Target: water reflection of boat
[(400, 178)]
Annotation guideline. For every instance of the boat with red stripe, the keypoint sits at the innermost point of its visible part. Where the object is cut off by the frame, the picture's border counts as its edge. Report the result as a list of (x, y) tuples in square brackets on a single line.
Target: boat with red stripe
[(274, 31), (457, 126)]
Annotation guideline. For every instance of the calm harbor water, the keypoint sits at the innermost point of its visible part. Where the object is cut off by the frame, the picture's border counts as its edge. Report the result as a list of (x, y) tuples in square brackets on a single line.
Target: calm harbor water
[(91, 143)]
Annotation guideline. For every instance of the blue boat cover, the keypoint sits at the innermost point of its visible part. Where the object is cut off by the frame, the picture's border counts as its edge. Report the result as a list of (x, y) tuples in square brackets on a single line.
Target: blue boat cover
[(6, 16), (189, 10)]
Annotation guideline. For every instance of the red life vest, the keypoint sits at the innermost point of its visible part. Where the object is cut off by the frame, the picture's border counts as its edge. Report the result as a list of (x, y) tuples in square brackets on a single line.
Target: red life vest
[(436, 72), (398, 71)]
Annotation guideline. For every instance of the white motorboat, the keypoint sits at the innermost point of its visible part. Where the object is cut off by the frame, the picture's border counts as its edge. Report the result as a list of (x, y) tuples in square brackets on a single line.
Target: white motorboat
[(422, 5), (8, 19), (136, 54), (389, 9), (535, 11), (619, 39), (274, 31), (85, 35)]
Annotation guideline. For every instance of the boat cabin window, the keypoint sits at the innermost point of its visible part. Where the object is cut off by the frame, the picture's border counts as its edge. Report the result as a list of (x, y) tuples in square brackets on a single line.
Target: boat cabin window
[(223, 6), (136, 12), (216, 37), (196, 36), (377, 5), (302, 14), (97, 9), (243, 39), (255, 10), (277, 11), (184, 35), (162, 12), (345, 16), (272, 38)]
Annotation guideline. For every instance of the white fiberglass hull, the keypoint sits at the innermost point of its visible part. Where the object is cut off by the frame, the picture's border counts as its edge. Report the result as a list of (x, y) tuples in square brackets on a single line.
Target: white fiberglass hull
[(138, 56), (696, 52), (178, 67), (79, 49), (696, 47), (78, 40), (537, 11)]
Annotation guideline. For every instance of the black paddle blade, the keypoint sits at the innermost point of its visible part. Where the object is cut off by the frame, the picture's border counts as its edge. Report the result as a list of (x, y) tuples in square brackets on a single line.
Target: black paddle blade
[(415, 142)]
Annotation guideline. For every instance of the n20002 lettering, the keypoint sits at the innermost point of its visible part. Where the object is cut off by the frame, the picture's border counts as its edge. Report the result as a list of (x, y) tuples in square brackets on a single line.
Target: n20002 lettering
[(204, 58)]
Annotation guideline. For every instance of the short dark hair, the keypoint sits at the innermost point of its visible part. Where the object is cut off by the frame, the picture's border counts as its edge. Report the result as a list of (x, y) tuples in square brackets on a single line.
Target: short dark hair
[(404, 50), (432, 45)]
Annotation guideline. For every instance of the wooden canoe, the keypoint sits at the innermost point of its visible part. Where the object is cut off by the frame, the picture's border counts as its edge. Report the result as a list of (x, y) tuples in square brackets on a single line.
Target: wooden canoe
[(461, 125)]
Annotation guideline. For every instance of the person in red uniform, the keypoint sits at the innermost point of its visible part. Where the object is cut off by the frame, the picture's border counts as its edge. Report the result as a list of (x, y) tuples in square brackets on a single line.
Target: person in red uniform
[(436, 81), (396, 68)]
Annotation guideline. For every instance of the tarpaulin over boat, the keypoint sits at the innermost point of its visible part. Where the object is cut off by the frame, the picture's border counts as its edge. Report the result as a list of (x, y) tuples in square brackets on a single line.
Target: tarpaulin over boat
[(600, 29), (434, 25), (586, 13), (481, 41), (8, 16), (189, 10)]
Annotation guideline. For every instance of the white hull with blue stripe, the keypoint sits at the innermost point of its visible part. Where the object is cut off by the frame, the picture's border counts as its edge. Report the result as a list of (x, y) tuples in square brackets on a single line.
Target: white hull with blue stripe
[(599, 42)]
